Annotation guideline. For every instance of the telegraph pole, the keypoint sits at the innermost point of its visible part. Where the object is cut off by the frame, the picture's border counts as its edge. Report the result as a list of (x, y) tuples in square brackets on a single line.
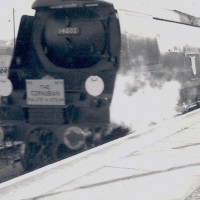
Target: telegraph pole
[(14, 26)]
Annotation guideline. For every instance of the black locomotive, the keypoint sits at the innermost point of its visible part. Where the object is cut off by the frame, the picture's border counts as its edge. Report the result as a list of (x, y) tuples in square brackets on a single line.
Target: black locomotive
[(63, 73)]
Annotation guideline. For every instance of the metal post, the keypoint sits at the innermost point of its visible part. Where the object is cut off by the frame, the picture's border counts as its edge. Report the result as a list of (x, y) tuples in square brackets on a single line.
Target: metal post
[(14, 25)]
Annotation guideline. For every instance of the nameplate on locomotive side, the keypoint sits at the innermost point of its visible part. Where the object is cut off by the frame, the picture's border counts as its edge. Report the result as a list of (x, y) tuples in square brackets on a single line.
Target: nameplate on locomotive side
[(45, 92)]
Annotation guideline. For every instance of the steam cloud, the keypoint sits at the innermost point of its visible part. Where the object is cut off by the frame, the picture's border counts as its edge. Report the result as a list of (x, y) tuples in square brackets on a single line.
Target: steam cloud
[(137, 107)]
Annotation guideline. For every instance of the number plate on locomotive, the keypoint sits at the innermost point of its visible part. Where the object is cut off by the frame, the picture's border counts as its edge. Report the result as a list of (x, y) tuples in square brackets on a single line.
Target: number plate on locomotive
[(69, 31)]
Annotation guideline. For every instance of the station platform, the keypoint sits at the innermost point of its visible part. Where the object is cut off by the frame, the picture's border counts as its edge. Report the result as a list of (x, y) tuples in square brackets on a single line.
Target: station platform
[(161, 163)]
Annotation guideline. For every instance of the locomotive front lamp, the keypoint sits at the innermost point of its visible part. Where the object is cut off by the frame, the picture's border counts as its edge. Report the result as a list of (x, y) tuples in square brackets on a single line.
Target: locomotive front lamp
[(94, 85), (5, 87)]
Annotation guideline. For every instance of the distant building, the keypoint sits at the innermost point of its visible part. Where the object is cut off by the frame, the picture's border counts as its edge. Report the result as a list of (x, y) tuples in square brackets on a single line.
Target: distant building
[(6, 47)]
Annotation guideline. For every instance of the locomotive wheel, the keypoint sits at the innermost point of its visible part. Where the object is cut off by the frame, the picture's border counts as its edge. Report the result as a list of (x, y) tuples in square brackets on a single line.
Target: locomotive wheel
[(39, 150)]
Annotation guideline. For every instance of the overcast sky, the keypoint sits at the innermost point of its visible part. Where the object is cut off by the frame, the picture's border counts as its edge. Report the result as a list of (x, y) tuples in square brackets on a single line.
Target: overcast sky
[(24, 7), (6, 15)]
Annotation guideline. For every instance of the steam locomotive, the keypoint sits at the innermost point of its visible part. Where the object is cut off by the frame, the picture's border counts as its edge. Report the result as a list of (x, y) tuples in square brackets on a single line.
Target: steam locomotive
[(64, 69), (62, 73)]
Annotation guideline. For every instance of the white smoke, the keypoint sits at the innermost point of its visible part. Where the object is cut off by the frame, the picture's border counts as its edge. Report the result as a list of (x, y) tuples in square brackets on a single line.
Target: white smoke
[(141, 107)]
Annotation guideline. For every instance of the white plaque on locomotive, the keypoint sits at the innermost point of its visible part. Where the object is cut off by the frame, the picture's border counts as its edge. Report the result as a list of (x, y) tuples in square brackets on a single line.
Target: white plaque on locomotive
[(45, 92)]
